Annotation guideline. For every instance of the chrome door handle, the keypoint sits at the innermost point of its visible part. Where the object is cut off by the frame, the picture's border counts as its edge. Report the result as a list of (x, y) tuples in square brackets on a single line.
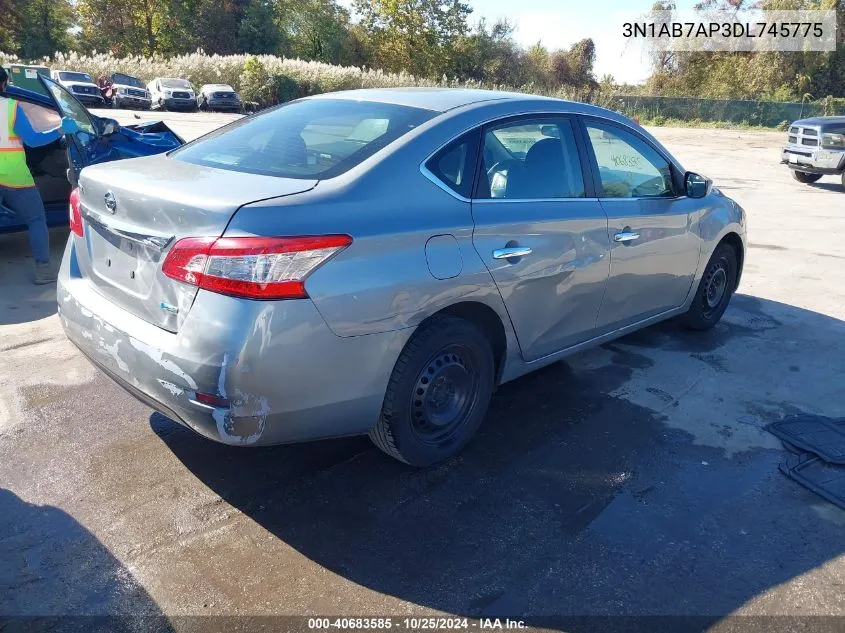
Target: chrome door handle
[(511, 251), (626, 236)]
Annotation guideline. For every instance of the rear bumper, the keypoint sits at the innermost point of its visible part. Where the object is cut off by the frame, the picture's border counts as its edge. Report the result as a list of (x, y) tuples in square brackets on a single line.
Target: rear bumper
[(813, 160), (286, 376)]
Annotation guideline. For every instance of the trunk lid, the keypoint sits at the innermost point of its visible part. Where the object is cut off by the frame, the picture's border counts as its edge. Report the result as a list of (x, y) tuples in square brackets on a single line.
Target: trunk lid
[(133, 211)]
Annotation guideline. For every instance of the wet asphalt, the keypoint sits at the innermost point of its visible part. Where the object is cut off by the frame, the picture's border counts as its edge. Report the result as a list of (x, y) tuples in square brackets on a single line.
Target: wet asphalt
[(635, 479)]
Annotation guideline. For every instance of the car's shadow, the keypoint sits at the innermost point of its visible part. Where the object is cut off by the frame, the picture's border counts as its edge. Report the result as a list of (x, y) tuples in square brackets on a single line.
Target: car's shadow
[(828, 186), (55, 575), (571, 501)]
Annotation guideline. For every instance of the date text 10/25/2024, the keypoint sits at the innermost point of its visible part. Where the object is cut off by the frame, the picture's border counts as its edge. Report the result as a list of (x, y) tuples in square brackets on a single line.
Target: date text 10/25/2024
[(414, 623)]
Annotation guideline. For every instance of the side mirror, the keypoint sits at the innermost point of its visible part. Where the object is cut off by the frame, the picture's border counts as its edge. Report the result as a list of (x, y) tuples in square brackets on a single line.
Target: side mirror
[(696, 186), (109, 127)]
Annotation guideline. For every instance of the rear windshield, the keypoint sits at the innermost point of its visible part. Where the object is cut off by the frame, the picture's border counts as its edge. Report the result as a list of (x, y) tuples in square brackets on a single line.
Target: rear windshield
[(319, 138), (126, 80), (75, 77)]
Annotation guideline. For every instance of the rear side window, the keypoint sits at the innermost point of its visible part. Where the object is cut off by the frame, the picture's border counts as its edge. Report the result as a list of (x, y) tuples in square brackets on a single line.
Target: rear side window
[(315, 138), (531, 160), (454, 165)]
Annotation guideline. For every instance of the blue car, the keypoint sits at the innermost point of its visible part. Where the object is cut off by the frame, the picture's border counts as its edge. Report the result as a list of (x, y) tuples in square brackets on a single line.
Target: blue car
[(55, 167)]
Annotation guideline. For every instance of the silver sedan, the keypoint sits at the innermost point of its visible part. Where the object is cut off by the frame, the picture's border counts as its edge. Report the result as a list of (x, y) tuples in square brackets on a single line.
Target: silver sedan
[(378, 261)]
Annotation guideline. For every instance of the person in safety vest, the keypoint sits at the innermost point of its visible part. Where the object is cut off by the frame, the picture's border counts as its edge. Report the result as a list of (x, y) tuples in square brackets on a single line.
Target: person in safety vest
[(17, 188)]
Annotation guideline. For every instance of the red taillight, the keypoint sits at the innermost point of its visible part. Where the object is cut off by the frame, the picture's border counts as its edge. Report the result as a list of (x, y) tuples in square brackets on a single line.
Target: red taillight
[(212, 400), (74, 213), (251, 267)]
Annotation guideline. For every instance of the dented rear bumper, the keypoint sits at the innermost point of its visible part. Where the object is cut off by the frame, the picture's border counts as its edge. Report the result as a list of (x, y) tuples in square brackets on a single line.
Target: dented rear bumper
[(286, 375)]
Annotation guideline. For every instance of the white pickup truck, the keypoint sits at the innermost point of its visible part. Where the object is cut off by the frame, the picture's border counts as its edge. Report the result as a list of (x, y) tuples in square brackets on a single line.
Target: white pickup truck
[(816, 147), (81, 85)]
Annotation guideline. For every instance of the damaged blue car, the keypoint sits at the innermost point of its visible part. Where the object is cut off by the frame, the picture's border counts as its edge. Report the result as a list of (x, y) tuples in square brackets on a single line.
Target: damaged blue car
[(55, 167)]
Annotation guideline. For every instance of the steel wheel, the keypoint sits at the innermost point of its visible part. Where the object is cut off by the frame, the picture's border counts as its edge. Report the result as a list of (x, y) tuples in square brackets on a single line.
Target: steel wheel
[(715, 285), (444, 394), (438, 392)]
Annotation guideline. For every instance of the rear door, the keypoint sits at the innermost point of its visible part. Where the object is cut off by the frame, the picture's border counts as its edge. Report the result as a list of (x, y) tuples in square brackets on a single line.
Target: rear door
[(541, 231), (654, 253)]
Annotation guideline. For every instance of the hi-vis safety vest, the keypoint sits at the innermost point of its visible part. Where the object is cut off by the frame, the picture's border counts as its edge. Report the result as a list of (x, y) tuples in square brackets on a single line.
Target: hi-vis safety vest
[(13, 168)]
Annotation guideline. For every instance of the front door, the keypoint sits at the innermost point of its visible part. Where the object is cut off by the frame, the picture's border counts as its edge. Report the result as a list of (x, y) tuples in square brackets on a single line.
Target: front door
[(653, 251), (541, 232), (86, 147)]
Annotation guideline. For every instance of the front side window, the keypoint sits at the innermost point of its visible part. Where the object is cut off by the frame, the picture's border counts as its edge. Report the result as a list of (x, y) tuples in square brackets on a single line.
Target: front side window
[(314, 138), (70, 107), (40, 118), (530, 160), (628, 166)]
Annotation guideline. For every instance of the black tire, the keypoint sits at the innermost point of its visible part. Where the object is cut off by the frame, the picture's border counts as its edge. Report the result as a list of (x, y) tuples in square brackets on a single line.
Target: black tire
[(438, 393), (804, 177), (162, 105), (714, 290)]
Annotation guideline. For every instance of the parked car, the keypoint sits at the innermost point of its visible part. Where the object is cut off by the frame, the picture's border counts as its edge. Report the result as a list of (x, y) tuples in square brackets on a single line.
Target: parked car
[(124, 91), (81, 85), (379, 261), (172, 94), (816, 147), (218, 98), (55, 166)]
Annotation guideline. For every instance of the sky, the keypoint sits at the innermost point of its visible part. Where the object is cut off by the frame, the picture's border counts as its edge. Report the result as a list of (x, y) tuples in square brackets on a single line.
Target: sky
[(560, 23)]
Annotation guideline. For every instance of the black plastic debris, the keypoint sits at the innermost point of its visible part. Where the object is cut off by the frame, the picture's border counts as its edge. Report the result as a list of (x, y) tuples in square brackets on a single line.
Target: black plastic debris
[(825, 479), (821, 436)]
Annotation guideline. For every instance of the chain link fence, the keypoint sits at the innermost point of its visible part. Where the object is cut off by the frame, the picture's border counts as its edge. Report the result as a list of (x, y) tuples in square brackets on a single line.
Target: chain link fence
[(764, 113)]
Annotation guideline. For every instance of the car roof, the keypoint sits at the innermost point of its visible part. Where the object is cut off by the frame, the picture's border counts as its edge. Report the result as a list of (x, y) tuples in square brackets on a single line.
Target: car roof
[(435, 99), (217, 86)]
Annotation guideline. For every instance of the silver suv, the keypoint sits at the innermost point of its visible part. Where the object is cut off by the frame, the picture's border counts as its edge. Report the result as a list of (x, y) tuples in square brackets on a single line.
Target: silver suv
[(815, 148)]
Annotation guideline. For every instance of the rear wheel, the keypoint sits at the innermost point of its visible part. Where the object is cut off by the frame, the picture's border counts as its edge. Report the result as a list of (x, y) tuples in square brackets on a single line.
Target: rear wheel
[(802, 176), (438, 393), (714, 290)]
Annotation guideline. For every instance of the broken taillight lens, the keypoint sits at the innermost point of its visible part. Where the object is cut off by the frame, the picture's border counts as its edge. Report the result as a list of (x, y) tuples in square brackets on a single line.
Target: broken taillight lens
[(251, 267), (75, 213)]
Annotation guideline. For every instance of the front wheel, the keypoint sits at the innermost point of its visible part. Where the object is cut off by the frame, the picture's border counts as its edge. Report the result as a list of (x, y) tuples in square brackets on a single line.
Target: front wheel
[(804, 177), (438, 393), (714, 290)]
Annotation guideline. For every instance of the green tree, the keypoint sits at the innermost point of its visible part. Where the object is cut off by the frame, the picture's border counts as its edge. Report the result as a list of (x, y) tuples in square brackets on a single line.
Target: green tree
[(314, 29), (43, 27), (418, 36), (258, 31)]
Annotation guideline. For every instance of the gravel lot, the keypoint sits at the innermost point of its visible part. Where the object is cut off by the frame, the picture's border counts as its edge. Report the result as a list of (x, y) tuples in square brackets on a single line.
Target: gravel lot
[(633, 479)]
